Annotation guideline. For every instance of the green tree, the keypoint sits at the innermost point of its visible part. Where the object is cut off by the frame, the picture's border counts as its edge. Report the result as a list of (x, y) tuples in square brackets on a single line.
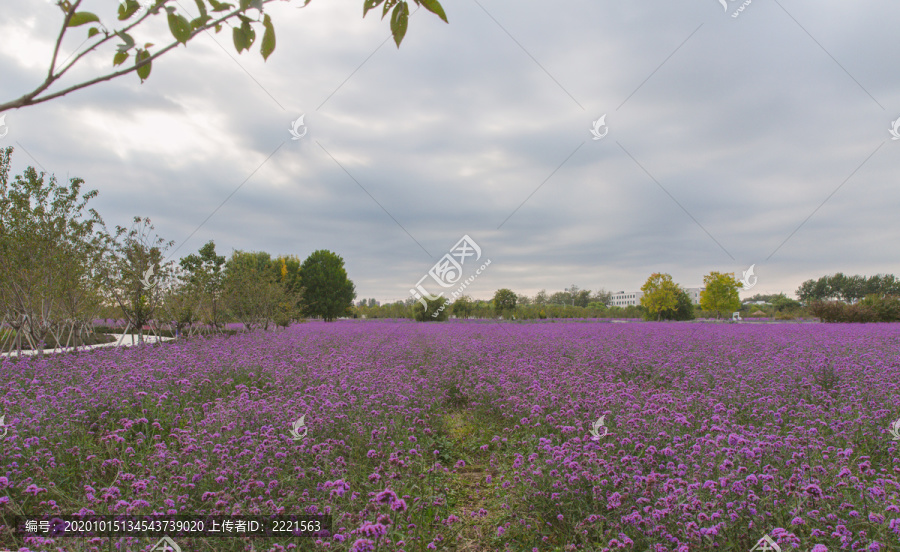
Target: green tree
[(782, 302), (437, 310), (327, 292), (50, 255), (685, 308), (601, 296), (504, 301), (255, 291), (204, 273), (463, 306), (245, 19), (721, 293), (130, 272), (660, 294)]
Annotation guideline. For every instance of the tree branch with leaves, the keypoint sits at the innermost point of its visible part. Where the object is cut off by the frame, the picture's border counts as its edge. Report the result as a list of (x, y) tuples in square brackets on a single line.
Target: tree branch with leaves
[(212, 14)]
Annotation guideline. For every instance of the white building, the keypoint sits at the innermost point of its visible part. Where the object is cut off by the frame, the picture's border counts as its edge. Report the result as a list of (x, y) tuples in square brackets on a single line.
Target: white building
[(630, 298), (694, 293), (623, 299)]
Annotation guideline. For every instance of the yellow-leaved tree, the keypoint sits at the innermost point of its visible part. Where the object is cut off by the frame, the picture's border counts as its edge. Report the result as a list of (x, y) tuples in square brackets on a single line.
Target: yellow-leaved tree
[(721, 293), (660, 294)]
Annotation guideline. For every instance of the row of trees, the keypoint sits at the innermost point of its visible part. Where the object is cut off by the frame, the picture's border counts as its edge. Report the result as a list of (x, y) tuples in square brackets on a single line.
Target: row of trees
[(662, 299), (60, 267), (848, 288)]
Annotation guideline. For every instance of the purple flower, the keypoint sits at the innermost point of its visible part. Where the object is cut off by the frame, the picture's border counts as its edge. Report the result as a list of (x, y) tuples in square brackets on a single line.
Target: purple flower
[(363, 545)]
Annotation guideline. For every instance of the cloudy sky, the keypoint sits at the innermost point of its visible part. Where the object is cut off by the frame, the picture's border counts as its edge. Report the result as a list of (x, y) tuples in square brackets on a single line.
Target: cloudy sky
[(761, 139)]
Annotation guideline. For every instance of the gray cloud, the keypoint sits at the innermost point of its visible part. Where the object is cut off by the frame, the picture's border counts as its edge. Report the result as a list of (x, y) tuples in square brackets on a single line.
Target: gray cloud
[(748, 124)]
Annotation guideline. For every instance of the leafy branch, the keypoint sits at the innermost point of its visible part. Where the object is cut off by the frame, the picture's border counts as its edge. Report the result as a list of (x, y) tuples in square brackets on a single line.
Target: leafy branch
[(212, 15)]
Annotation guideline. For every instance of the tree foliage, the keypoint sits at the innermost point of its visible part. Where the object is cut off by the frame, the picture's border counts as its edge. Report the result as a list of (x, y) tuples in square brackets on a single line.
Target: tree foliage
[(849, 289), (128, 273), (437, 310), (721, 293), (327, 292), (50, 254), (504, 301), (463, 306), (660, 294), (246, 18)]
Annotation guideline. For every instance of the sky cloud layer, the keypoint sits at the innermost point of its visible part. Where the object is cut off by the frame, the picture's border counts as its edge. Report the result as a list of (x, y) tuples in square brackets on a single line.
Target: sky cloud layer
[(758, 139)]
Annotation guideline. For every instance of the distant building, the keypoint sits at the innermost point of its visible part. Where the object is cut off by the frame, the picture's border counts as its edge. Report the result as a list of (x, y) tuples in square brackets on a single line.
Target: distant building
[(694, 293), (623, 299), (631, 298)]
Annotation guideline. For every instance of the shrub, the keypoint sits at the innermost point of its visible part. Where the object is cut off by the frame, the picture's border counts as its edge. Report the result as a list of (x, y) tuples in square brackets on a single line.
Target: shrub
[(437, 310), (870, 309)]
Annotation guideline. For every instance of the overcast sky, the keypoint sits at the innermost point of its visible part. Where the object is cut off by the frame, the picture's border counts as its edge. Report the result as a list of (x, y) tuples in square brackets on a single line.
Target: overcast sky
[(761, 139)]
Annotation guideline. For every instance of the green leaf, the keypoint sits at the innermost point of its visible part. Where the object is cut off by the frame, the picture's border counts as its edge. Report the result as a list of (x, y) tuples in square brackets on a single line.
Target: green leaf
[(257, 4), (81, 18), (129, 42), (180, 27), (200, 21), (399, 21), (218, 27), (202, 7), (268, 40), (220, 6), (369, 4), (435, 7), (129, 8), (120, 58), (240, 41), (142, 62), (387, 7), (93, 31), (249, 33)]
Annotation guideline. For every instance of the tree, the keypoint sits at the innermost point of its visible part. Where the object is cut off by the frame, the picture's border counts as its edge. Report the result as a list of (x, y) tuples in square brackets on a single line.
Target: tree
[(50, 255), (541, 298), (129, 272), (327, 292), (684, 310), (436, 312), (504, 301), (205, 273), (660, 294), (601, 296), (212, 14), (463, 306), (252, 293), (721, 293), (782, 302), (581, 298)]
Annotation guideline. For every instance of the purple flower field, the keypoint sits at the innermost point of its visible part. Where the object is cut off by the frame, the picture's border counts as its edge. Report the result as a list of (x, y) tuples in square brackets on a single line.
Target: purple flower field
[(473, 436)]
